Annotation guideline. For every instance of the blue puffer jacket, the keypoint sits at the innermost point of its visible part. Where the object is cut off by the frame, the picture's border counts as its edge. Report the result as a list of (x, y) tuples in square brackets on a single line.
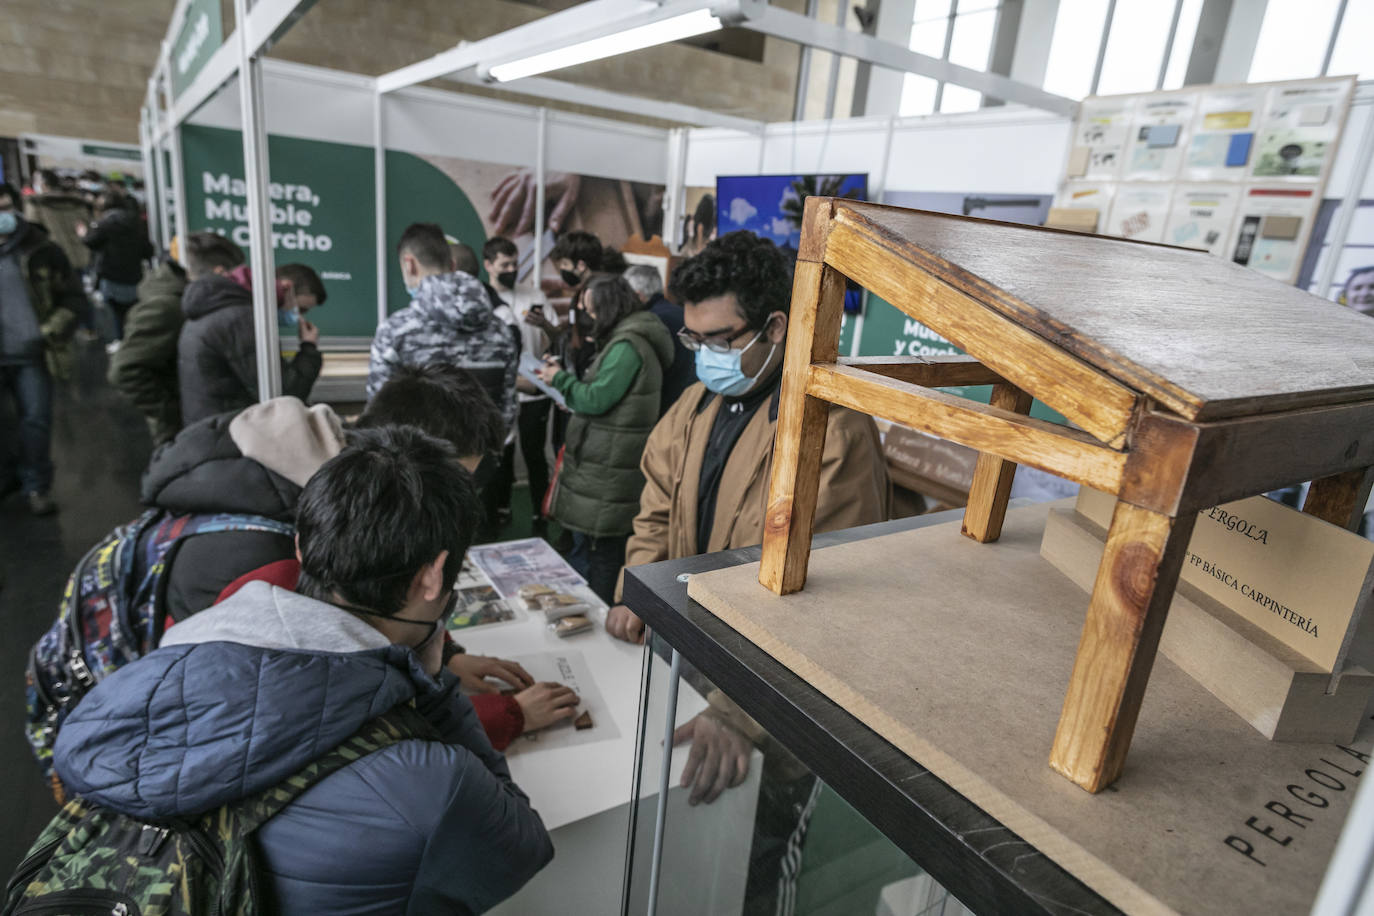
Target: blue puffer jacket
[(244, 694)]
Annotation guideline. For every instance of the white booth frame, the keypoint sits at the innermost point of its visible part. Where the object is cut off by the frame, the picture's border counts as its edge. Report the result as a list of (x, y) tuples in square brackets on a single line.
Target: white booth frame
[(689, 155)]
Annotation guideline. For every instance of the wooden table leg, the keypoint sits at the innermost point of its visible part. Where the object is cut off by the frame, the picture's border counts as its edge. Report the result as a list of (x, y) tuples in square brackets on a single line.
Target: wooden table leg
[(1131, 597), (813, 336), (1340, 499), (992, 476)]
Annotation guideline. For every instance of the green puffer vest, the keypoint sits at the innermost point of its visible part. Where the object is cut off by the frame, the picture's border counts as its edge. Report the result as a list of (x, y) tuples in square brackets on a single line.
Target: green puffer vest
[(600, 483)]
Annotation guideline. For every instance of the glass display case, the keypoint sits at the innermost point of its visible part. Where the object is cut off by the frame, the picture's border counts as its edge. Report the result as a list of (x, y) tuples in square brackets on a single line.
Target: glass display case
[(763, 797)]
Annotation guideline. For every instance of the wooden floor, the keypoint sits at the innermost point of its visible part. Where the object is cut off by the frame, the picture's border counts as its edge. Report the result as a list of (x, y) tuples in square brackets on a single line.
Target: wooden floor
[(100, 447)]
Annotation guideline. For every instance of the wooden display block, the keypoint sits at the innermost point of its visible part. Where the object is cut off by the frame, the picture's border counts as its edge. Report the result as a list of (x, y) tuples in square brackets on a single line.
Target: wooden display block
[(1282, 693), (957, 653), (1186, 382), (1298, 579)]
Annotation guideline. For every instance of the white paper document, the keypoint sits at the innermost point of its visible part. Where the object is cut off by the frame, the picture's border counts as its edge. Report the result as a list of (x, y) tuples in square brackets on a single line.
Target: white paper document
[(529, 365)]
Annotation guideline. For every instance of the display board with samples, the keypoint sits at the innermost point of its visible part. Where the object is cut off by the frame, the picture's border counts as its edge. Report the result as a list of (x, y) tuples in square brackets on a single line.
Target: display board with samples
[(1235, 170)]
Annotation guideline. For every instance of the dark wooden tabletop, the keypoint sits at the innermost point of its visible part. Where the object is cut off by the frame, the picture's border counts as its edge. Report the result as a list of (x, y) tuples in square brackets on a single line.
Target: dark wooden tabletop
[(1215, 338), (985, 865)]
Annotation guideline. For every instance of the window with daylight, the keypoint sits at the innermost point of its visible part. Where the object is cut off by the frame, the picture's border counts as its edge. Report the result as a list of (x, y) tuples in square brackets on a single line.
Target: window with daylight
[(1293, 39), (1073, 47), (1102, 48), (1352, 53), (960, 32)]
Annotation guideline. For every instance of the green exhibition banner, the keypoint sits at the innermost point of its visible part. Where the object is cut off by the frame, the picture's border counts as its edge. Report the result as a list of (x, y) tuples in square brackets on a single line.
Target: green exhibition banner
[(322, 208), (200, 36), (417, 191), (323, 211)]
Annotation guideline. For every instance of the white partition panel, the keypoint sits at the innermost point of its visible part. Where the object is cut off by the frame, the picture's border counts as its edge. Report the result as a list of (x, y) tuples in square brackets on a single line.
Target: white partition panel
[(1011, 150), (314, 103), (611, 149), (437, 123)]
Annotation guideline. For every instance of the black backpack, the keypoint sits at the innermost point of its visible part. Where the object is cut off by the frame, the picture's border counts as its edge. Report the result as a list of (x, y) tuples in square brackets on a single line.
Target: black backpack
[(90, 860)]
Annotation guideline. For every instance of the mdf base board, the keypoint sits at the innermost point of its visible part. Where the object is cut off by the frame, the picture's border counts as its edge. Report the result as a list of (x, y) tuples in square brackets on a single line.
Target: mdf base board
[(959, 653), (1280, 692)]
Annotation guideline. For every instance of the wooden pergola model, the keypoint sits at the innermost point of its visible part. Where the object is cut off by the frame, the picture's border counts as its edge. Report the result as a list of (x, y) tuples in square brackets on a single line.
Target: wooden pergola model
[(1188, 381)]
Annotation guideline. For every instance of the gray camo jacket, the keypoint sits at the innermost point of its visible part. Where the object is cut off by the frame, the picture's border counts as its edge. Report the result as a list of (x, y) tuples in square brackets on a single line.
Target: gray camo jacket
[(450, 321)]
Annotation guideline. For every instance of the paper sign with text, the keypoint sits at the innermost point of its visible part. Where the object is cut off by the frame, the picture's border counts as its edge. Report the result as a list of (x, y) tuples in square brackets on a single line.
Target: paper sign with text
[(1301, 580)]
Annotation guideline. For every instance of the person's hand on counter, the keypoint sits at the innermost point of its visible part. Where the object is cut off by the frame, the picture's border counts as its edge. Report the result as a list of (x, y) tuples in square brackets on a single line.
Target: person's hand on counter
[(622, 623), (546, 703), (473, 671), (719, 758)]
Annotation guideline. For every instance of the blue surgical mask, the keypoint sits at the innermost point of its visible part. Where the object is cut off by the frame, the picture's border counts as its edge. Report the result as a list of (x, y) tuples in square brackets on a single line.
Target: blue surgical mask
[(721, 372), (288, 319), (413, 290), (8, 222)]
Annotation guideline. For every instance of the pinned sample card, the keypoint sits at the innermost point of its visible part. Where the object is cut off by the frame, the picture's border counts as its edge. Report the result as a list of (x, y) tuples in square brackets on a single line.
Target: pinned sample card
[(1213, 152), (1238, 150), (1314, 115), (1078, 161), (1139, 212), (1281, 227), (1227, 120), (1162, 135), (1155, 153), (1271, 225), (1299, 134), (1081, 219), (1201, 216), (1103, 127), (1093, 198)]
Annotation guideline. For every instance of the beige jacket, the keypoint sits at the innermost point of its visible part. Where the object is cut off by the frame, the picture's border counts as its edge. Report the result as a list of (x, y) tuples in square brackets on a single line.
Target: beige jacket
[(854, 487)]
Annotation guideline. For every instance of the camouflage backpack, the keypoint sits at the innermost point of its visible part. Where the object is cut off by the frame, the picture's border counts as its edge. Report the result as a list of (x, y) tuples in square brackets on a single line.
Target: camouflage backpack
[(112, 613), (91, 860)]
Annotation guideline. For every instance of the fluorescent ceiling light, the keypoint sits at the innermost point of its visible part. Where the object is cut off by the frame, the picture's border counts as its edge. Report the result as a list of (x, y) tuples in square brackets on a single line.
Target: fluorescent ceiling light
[(697, 22)]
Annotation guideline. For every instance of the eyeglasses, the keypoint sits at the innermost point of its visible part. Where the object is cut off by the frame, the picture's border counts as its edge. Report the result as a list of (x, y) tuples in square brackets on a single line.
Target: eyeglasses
[(720, 343)]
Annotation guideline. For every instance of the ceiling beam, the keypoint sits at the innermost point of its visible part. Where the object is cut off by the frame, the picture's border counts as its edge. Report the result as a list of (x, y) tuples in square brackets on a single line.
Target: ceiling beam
[(794, 27), (573, 93)]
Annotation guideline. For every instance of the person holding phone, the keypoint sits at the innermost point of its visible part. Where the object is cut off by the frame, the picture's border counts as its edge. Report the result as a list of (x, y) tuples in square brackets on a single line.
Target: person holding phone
[(217, 359), (615, 407), (526, 308)]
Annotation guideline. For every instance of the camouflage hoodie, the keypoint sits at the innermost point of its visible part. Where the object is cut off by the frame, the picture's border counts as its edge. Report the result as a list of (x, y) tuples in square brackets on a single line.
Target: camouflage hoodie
[(449, 321)]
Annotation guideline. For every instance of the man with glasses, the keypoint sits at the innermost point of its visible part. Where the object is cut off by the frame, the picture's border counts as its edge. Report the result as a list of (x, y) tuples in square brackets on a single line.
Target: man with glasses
[(707, 463), (707, 467)]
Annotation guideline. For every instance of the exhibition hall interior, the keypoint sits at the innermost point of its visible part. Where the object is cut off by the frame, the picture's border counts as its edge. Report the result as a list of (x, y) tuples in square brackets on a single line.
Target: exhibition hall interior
[(687, 457)]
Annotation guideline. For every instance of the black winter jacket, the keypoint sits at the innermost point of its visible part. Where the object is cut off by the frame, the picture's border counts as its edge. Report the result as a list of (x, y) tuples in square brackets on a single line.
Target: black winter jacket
[(203, 471), (144, 369), (121, 245), (217, 364)]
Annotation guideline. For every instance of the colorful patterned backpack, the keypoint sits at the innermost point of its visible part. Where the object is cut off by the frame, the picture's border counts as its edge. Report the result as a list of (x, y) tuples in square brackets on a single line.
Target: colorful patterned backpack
[(91, 860), (112, 613)]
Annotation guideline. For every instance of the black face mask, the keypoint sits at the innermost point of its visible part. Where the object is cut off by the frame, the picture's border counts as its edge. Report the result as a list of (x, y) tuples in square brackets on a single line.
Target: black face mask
[(570, 278), (436, 627), (506, 279)]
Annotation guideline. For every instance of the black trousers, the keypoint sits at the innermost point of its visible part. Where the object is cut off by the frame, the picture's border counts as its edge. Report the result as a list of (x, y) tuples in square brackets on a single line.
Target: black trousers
[(533, 426)]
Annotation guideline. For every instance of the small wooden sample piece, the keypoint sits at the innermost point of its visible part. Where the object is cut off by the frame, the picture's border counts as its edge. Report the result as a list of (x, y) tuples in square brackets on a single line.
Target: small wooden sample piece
[(583, 722), (1188, 381), (1073, 219)]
